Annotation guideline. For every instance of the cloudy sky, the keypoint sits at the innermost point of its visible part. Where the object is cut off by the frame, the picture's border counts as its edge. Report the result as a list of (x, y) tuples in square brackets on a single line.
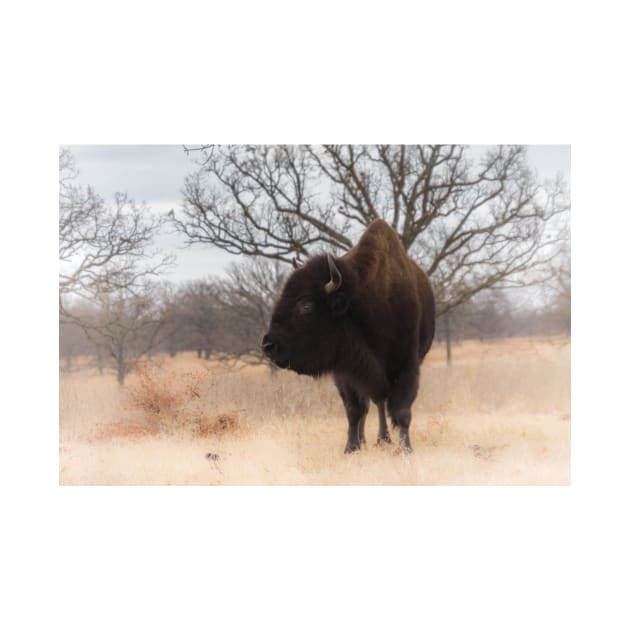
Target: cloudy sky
[(155, 174)]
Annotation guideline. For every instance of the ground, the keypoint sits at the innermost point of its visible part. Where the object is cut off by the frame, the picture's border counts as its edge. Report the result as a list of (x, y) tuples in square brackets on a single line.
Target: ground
[(500, 414)]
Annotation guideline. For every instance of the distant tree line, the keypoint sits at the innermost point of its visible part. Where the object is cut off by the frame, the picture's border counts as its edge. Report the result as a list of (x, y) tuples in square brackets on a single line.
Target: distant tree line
[(222, 319), (217, 318)]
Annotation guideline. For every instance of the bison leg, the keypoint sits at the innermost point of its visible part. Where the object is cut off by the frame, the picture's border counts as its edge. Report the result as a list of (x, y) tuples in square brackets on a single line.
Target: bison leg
[(401, 397), (362, 430), (356, 409), (383, 433), (402, 419)]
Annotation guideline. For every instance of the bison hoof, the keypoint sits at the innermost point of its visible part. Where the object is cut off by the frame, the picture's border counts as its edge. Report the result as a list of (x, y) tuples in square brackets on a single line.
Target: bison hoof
[(383, 439), (351, 448)]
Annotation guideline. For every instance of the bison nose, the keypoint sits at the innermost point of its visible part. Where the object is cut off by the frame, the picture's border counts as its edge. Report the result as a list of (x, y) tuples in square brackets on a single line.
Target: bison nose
[(274, 349), (268, 346)]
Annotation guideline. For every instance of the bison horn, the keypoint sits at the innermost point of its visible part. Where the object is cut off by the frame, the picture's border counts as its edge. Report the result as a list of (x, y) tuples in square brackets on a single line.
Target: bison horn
[(296, 263), (335, 276)]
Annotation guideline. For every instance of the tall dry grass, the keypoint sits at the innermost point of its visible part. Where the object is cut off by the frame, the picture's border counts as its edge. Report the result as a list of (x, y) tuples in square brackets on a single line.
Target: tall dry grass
[(499, 415)]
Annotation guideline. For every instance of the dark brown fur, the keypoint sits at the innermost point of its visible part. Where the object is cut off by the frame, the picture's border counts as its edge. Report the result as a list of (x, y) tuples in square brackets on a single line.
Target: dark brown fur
[(371, 333)]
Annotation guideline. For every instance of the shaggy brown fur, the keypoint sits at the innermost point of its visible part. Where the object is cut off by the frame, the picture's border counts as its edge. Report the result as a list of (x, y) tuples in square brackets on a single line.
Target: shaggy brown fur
[(371, 330)]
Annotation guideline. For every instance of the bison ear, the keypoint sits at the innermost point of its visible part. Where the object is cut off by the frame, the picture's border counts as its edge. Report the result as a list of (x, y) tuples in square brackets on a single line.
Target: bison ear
[(338, 303)]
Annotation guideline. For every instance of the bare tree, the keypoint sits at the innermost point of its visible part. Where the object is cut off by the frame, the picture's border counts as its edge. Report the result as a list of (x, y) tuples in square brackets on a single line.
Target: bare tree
[(174, 334), (559, 308), (487, 315), (199, 315), (247, 296), (72, 343), (106, 260), (472, 224), (102, 247), (126, 325)]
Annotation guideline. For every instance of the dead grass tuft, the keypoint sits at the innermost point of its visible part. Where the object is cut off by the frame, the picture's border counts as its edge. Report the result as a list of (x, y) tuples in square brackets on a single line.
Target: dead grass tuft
[(124, 430), (438, 427), (222, 424)]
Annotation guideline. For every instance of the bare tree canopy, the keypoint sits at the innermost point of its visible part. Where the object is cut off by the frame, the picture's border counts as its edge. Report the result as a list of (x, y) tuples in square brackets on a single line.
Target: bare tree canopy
[(101, 247), (250, 289), (126, 326), (471, 224), (247, 297)]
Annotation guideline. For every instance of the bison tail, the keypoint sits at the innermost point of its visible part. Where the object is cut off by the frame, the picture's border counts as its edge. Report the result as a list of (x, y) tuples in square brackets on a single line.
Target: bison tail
[(425, 345), (427, 321), (427, 331)]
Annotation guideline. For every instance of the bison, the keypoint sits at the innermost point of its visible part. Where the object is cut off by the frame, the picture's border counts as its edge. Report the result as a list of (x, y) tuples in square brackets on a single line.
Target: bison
[(367, 317)]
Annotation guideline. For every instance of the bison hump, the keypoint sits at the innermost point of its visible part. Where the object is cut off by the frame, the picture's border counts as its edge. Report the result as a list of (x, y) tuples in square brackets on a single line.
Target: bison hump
[(380, 261)]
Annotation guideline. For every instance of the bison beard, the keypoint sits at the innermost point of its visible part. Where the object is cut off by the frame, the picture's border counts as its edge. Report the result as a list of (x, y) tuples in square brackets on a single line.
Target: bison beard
[(368, 318)]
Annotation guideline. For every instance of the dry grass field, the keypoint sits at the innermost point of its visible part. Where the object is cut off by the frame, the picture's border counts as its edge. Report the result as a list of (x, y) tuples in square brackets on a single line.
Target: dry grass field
[(500, 414)]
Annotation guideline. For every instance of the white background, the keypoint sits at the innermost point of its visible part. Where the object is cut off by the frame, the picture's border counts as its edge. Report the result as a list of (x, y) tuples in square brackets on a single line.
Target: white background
[(464, 557)]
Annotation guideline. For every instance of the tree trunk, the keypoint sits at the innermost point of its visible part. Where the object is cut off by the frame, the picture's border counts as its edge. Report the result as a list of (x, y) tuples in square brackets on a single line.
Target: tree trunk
[(121, 368), (447, 335), (206, 354), (199, 353)]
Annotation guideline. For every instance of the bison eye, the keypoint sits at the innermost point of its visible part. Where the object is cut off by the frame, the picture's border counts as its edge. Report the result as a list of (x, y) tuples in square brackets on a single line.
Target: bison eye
[(306, 307)]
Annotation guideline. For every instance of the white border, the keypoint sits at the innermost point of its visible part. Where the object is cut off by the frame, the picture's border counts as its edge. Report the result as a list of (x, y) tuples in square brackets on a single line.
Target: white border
[(316, 557)]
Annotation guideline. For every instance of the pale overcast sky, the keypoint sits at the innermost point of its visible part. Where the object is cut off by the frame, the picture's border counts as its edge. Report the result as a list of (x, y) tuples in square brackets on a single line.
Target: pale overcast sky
[(155, 174)]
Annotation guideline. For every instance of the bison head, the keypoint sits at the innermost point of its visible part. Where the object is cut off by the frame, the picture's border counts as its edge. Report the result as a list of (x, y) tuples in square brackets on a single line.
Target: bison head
[(308, 323)]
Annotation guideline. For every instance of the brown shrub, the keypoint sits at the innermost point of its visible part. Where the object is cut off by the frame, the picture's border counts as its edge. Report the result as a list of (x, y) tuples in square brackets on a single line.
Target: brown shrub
[(168, 401), (162, 395)]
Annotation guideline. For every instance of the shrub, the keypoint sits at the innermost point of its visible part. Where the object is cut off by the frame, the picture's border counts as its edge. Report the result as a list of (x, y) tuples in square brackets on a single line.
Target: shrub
[(169, 401)]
